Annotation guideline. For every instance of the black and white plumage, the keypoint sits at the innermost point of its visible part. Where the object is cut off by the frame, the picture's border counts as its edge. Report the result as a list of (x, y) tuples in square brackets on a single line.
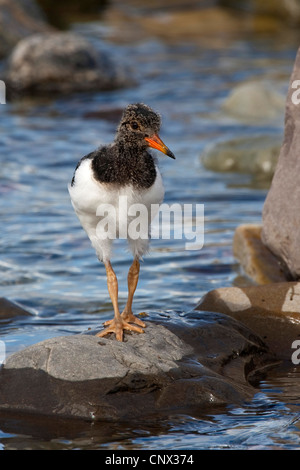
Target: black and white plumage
[(119, 173)]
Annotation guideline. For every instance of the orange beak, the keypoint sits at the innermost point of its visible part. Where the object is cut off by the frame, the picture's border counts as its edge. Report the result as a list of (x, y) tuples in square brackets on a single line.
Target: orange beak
[(156, 143)]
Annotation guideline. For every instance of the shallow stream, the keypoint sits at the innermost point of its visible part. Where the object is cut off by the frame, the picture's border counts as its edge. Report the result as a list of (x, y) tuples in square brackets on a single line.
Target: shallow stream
[(48, 266)]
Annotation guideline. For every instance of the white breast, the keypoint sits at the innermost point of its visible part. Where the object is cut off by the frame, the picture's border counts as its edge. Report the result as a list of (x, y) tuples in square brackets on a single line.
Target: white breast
[(92, 201)]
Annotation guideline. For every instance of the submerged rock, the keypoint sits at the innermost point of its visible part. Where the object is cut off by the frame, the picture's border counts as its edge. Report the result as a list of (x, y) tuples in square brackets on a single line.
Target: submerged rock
[(281, 211), (255, 101), (61, 63), (206, 359), (255, 155)]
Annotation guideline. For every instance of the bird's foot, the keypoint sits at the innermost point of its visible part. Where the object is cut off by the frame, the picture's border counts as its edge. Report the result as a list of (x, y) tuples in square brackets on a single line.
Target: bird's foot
[(130, 318), (117, 326)]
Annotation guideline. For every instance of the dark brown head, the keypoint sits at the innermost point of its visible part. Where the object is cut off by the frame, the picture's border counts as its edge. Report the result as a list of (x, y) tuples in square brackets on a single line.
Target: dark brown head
[(140, 126)]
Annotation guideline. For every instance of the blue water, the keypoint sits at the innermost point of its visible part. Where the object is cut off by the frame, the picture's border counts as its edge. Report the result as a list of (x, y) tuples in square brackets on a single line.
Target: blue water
[(48, 266)]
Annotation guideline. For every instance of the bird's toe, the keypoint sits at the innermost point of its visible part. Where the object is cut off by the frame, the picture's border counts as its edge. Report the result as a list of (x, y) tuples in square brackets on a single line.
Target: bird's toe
[(118, 326), (130, 318)]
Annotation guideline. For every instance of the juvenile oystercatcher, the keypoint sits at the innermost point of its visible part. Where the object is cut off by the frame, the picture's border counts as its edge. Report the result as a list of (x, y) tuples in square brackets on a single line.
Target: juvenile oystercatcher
[(106, 179)]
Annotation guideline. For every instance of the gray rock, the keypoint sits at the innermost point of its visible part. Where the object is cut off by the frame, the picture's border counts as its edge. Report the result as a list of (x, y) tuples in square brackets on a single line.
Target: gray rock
[(281, 211), (61, 62), (58, 356), (207, 359)]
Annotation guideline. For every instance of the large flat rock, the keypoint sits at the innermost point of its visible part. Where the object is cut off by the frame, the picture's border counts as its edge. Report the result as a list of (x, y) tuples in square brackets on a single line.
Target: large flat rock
[(100, 358), (202, 360)]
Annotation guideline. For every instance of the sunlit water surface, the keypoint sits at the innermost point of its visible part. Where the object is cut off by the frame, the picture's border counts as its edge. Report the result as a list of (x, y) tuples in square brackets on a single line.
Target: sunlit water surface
[(49, 267)]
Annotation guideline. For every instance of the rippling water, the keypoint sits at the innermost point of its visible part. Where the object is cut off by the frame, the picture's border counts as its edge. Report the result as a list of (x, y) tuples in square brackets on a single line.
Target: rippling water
[(48, 266)]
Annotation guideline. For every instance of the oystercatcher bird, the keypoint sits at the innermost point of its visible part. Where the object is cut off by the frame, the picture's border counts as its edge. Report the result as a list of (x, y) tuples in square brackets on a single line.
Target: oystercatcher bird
[(104, 180)]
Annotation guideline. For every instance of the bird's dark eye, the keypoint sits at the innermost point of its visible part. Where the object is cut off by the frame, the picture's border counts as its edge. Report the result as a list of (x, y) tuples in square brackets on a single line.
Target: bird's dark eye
[(134, 125)]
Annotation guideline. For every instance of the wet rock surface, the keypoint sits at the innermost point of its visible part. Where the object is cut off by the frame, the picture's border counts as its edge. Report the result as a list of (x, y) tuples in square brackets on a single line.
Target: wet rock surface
[(281, 215), (206, 359)]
